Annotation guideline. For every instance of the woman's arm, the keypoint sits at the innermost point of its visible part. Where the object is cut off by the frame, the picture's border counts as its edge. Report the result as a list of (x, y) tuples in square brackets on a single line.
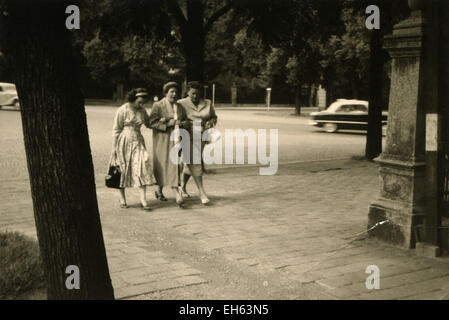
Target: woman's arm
[(213, 116), (117, 127), (155, 120), (212, 121), (145, 118), (184, 121)]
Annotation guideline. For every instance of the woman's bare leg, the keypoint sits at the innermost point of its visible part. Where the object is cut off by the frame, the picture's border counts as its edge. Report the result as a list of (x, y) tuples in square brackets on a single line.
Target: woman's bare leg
[(179, 199), (199, 183), (122, 196), (184, 179), (143, 196), (159, 194)]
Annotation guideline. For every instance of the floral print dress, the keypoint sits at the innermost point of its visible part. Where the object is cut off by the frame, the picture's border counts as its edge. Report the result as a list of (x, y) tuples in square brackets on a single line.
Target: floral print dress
[(132, 156)]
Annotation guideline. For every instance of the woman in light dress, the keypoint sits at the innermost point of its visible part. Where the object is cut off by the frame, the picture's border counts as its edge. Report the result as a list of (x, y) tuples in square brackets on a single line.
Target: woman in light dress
[(202, 111), (128, 147), (165, 117)]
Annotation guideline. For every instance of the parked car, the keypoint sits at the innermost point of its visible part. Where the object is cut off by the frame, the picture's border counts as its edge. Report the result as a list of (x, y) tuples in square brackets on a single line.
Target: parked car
[(346, 115), (8, 95)]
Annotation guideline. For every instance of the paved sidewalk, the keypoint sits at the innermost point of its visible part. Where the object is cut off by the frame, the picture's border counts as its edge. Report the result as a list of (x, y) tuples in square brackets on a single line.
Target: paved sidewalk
[(295, 235)]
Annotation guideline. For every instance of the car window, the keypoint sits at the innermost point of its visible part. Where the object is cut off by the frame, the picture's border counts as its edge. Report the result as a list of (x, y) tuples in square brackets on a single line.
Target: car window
[(344, 108), (9, 87), (359, 108)]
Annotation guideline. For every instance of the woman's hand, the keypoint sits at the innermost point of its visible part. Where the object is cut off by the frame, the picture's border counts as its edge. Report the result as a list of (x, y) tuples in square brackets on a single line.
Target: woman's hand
[(162, 120), (186, 124), (171, 123), (207, 125)]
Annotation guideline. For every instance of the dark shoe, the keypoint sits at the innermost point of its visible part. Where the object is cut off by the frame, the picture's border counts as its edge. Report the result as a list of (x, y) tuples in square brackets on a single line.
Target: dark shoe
[(160, 196)]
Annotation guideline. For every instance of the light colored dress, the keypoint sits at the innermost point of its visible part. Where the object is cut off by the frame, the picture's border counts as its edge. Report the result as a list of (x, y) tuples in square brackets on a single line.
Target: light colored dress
[(132, 156), (204, 112), (166, 172)]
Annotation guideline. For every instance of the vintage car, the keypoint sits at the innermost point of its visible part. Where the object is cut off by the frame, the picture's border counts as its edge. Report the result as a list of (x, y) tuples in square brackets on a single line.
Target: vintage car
[(345, 115), (8, 95)]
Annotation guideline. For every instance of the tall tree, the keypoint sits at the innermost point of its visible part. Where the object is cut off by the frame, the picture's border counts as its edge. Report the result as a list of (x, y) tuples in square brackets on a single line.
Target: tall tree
[(296, 32), (36, 42), (190, 16), (378, 58), (346, 58), (391, 11)]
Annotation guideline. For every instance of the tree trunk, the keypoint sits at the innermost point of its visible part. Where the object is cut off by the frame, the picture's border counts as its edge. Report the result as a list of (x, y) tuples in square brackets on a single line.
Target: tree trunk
[(194, 53), (312, 95), (193, 40), (374, 134), (59, 160)]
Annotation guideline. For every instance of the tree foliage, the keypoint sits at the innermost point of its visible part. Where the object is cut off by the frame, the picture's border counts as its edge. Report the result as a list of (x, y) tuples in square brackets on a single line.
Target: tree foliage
[(346, 58)]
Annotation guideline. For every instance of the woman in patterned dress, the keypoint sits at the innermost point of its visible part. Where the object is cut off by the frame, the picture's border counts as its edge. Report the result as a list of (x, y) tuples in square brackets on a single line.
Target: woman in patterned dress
[(128, 147)]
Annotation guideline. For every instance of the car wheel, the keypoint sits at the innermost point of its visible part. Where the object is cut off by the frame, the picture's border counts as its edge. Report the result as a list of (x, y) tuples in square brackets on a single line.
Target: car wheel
[(330, 127), (384, 130), (17, 104)]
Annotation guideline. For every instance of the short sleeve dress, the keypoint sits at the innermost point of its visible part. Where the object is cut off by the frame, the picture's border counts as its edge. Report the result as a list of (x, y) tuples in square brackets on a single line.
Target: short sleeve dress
[(132, 156), (203, 112)]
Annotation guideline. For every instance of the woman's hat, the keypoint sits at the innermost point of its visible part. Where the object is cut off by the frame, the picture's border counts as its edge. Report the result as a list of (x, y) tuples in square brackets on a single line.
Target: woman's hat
[(141, 94), (169, 85), (194, 85)]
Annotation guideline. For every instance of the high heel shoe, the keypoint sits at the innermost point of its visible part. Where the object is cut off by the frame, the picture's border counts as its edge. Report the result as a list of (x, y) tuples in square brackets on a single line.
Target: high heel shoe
[(184, 193), (180, 201), (205, 201), (146, 207), (123, 205), (160, 196)]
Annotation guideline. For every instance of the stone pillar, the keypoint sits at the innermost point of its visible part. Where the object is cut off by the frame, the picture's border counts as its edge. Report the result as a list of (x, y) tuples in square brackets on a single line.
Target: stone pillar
[(402, 165)]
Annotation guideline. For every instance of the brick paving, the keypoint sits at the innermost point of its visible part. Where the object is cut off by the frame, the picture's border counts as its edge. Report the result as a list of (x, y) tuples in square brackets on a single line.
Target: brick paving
[(299, 225)]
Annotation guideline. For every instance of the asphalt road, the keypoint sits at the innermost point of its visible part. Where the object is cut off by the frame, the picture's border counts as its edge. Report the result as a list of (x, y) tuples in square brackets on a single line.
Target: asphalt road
[(297, 141)]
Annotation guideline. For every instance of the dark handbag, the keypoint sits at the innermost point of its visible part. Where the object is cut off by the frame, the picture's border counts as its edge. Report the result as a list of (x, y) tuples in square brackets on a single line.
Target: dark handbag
[(112, 179)]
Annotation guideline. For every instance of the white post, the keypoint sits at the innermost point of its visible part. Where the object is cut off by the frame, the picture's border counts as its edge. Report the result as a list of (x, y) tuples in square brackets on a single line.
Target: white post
[(213, 94), (268, 98)]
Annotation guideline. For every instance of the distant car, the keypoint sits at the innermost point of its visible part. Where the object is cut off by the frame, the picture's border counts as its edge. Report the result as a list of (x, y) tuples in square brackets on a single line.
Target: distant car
[(346, 115), (8, 95)]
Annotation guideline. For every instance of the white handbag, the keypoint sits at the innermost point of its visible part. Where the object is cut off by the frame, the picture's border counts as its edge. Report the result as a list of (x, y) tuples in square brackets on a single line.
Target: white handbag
[(211, 135)]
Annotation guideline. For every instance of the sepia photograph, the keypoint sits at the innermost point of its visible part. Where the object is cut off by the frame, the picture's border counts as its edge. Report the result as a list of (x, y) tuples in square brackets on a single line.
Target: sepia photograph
[(240, 152)]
